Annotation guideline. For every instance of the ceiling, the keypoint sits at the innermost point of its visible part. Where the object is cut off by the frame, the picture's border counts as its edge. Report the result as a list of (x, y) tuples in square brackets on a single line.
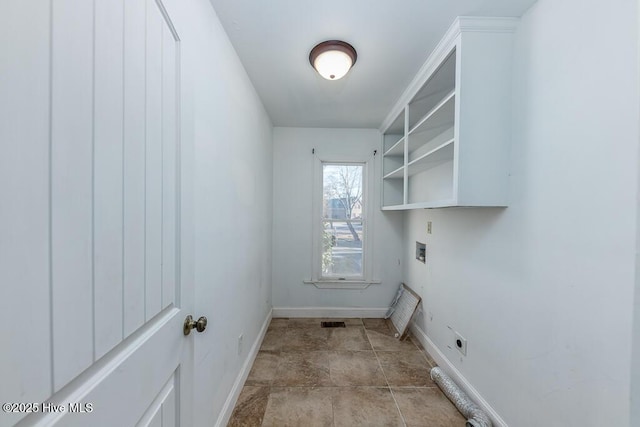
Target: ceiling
[(393, 38)]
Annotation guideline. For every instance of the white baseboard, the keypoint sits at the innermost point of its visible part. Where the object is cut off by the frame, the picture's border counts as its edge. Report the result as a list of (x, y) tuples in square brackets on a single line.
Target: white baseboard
[(230, 403), (329, 312), (456, 376)]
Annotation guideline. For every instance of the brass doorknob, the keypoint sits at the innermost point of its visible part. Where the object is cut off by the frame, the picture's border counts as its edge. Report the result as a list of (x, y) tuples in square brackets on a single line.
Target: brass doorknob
[(199, 325)]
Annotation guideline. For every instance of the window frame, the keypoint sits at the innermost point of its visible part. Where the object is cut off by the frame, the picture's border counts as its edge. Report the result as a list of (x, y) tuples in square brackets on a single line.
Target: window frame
[(362, 220), (338, 282)]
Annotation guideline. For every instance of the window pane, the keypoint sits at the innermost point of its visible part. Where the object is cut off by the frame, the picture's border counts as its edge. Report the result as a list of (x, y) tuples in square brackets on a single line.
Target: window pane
[(342, 248), (342, 191)]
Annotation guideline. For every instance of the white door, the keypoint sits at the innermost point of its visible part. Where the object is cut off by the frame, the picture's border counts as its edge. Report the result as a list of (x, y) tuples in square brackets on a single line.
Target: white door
[(93, 301)]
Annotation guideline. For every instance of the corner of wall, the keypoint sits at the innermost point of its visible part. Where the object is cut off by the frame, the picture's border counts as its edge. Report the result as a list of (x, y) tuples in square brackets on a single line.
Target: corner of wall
[(445, 364), (230, 403)]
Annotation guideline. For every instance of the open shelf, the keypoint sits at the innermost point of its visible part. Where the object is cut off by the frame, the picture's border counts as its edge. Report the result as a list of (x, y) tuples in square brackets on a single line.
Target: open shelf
[(431, 180), (439, 119), (438, 86), (396, 149), (446, 141), (422, 147), (439, 155), (392, 191), (443, 112), (396, 174), (391, 164)]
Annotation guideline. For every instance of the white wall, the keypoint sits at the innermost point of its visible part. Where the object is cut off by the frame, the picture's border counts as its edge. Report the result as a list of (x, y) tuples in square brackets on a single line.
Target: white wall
[(292, 225), (543, 290), (635, 351), (231, 207)]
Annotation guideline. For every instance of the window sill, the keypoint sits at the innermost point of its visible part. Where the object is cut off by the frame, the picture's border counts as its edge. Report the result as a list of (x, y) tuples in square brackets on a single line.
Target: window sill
[(342, 284)]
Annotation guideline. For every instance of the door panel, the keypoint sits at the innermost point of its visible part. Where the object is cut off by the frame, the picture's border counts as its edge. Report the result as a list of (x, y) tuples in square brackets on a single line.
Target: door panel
[(122, 386), (153, 183), (71, 188), (169, 153), (24, 203), (90, 216), (162, 411), (108, 175), (134, 164)]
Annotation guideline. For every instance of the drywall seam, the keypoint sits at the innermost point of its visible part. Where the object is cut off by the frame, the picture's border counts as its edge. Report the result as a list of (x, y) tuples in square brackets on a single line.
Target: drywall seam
[(460, 380), (230, 403), (341, 312)]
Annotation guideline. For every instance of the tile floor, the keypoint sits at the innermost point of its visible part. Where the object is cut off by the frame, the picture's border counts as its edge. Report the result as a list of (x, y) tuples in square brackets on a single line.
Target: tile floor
[(305, 375)]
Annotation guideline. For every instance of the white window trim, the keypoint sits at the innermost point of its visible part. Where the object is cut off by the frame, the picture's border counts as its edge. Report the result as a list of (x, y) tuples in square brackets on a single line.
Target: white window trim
[(367, 186), (342, 284)]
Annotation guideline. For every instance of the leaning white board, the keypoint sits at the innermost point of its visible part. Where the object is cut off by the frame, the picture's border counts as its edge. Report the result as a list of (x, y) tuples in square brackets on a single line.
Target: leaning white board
[(404, 309)]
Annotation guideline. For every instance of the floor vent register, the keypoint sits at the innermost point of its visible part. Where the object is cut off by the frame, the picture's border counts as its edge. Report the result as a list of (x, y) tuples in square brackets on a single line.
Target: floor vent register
[(333, 324)]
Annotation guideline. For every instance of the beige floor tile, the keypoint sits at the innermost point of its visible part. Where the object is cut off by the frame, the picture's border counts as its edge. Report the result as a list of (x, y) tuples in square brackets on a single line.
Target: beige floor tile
[(279, 323), (305, 339), (406, 368), (364, 406), (418, 344), (250, 408), (272, 341), (304, 373), (299, 407), (304, 369), (416, 341), (264, 368), (356, 368), (376, 324), (427, 407), (351, 338), (387, 342), (303, 322)]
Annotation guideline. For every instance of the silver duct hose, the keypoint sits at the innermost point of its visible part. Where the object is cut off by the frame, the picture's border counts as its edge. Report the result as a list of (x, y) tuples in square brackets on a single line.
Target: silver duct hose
[(472, 412)]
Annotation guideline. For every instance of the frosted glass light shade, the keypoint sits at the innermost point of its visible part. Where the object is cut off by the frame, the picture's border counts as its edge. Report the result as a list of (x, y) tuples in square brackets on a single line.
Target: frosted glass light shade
[(332, 64), (333, 59)]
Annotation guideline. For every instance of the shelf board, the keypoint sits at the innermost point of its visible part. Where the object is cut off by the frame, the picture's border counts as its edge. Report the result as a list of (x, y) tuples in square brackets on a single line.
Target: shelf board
[(440, 115), (394, 208), (396, 149), (438, 155), (398, 173), (447, 203), (433, 204)]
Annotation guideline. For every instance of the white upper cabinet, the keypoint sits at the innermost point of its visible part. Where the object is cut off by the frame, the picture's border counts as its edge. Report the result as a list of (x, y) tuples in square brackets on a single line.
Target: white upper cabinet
[(446, 142)]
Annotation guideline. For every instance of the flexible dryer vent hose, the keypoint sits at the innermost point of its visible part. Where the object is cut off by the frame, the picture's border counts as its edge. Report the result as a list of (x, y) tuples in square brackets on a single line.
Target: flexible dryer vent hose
[(472, 412)]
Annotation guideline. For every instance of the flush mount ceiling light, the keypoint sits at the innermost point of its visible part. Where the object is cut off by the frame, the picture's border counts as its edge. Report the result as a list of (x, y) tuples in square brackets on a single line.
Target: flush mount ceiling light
[(333, 59)]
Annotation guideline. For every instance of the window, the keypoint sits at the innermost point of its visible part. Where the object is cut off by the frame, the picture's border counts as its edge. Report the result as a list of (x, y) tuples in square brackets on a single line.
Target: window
[(343, 221), (342, 231)]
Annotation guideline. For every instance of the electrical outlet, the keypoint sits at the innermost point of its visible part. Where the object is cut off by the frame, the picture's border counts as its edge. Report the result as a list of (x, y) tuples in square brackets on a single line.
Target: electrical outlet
[(240, 338), (461, 344), (428, 227)]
